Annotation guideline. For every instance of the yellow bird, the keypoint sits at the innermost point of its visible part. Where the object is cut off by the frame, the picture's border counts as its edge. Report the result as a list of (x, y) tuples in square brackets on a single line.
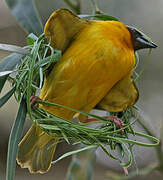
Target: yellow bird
[(95, 71)]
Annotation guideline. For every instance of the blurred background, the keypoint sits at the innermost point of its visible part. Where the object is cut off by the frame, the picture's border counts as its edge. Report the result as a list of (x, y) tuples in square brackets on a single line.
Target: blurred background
[(146, 15)]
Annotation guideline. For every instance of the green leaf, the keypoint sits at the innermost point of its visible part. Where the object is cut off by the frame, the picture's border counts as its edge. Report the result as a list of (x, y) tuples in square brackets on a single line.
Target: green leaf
[(103, 17), (13, 48), (26, 14), (31, 38), (4, 73), (50, 127), (6, 97), (74, 152), (2, 82), (8, 64), (14, 139), (120, 151), (129, 161)]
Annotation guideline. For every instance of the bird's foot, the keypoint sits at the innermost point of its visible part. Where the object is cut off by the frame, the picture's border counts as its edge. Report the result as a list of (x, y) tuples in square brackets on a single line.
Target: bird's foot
[(118, 122), (89, 120), (33, 102)]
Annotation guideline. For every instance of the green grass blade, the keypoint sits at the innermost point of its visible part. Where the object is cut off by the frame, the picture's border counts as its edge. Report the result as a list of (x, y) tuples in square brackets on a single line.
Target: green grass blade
[(6, 97), (130, 158), (14, 139), (27, 15), (2, 82), (5, 73), (103, 17), (71, 109), (139, 143), (9, 63), (82, 164), (74, 152), (120, 151), (31, 38)]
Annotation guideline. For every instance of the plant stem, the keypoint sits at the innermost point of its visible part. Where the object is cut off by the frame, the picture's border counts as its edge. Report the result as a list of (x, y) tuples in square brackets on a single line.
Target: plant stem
[(160, 156), (75, 7), (96, 9)]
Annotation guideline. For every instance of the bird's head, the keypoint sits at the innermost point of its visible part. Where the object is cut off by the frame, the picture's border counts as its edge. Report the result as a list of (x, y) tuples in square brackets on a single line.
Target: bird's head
[(139, 40)]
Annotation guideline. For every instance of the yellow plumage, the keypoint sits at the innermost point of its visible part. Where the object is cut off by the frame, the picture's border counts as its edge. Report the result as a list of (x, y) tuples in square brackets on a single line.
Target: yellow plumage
[(94, 71), (101, 55)]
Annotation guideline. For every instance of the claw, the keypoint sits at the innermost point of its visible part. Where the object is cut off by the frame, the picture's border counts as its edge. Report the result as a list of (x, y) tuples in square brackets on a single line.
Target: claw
[(33, 100), (115, 119)]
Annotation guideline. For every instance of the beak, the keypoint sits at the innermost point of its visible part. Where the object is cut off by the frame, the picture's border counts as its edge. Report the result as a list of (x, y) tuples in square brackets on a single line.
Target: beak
[(139, 41)]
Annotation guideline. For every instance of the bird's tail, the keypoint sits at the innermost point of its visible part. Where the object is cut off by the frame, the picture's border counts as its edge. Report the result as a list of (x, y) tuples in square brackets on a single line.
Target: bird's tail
[(36, 150)]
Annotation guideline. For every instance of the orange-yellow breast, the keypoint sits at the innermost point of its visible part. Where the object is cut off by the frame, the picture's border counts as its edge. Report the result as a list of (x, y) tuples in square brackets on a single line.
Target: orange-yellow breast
[(100, 55)]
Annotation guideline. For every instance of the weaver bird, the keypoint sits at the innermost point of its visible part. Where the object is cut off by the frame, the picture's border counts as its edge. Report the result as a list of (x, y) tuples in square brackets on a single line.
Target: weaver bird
[(95, 71)]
